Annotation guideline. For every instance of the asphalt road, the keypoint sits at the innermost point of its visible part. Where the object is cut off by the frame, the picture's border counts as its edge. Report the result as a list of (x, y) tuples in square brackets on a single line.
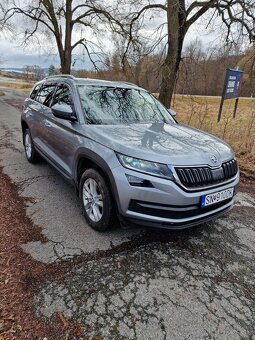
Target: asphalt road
[(135, 283)]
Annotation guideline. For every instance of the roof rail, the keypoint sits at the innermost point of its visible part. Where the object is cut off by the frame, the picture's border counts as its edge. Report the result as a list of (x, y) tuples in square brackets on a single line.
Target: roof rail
[(128, 83), (62, 76)]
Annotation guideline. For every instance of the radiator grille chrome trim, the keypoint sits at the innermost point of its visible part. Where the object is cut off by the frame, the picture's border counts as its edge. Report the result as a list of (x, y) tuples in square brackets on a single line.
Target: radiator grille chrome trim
[(195, 178)]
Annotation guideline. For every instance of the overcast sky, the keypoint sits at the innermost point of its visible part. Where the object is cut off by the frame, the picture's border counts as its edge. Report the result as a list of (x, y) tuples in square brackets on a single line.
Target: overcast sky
[(13, 55)]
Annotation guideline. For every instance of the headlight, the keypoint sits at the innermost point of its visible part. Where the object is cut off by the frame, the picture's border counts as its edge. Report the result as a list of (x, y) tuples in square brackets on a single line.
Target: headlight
[(151, 168)]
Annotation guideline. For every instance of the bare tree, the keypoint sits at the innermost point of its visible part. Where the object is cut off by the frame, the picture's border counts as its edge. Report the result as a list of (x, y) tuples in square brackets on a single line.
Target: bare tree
[(202, 70), (59, 20), (33, 72), (247, 64), (236, 16)]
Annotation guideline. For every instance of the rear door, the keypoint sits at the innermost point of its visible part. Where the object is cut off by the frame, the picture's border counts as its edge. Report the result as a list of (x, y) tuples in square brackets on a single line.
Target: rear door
[(37, 111), (62, 136)]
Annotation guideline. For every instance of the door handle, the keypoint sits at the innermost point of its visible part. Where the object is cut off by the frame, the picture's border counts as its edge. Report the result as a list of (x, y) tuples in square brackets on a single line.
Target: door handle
[(48, 124)]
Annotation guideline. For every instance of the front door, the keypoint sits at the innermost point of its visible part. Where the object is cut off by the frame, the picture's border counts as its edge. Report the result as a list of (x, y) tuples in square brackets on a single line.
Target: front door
[(62, 136)]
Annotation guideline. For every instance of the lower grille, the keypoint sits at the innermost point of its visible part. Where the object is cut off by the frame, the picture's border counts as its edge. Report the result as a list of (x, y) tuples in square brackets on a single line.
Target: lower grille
[(172, 212), (203, 176)]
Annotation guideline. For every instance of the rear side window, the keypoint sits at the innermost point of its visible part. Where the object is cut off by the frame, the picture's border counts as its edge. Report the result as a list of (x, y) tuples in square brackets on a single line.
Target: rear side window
[(34, 92), (62, 95), (45, 94)]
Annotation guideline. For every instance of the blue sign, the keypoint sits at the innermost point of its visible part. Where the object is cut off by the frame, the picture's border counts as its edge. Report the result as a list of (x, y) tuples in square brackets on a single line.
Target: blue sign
[(232, 84), (231, 89)]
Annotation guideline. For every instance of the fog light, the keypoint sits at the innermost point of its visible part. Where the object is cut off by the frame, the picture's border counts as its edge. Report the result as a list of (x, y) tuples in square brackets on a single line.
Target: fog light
[(138, 182)]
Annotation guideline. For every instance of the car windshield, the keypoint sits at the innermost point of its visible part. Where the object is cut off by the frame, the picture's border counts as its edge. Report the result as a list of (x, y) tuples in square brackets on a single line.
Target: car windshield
[(116, 105)]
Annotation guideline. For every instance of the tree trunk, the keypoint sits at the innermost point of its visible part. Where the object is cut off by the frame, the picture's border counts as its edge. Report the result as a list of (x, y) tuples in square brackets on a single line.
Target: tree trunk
[(176, 34), (66, 59), (66, 64), (169, 73)]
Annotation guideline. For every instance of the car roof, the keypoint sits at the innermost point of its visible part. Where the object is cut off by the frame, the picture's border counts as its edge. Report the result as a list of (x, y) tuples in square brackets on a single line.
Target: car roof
[(89, 81)]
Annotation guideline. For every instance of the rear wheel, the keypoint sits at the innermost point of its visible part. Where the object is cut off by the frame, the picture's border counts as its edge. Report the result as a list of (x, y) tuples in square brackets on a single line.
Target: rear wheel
[(97, 200), (30, 152)]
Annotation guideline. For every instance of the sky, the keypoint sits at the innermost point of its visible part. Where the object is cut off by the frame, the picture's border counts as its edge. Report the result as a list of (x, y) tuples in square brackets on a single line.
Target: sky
[(14, 56)]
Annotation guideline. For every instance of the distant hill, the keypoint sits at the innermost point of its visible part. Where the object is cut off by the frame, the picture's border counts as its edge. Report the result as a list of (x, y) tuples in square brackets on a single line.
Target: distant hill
[(19, 69)]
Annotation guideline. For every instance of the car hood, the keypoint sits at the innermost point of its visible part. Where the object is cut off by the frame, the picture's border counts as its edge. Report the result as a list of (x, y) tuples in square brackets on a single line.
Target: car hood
[(175, 144)]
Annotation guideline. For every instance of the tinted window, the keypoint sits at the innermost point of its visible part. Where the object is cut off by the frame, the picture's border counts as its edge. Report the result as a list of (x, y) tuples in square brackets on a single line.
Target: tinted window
[(62, 95), (116, 105), (34, 92), (45, 94)]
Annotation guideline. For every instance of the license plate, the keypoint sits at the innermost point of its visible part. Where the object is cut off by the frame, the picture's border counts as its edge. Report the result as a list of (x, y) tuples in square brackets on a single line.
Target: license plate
[(217, 197)]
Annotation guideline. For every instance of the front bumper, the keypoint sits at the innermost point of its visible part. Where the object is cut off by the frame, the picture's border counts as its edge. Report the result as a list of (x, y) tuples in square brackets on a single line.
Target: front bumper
[(167, 204)]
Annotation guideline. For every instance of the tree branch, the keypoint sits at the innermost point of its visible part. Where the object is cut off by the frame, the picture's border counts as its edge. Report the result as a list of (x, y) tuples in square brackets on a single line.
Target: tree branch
[(207, 5), (77, 43)]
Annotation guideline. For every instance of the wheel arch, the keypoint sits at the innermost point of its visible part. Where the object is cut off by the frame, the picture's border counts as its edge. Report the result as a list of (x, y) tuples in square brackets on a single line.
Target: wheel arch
[(24, 125), (89, 159)]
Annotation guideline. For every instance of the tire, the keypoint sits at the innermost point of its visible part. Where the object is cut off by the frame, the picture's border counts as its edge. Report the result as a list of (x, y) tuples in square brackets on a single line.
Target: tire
[(97, 201), (30, 152)]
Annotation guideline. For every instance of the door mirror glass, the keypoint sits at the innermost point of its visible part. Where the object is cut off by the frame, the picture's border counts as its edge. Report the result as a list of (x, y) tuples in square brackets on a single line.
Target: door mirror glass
[(63, 111)]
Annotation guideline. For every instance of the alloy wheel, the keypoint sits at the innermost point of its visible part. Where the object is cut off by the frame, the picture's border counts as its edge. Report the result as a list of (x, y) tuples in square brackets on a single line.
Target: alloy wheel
[(93, 200), (28, 146)]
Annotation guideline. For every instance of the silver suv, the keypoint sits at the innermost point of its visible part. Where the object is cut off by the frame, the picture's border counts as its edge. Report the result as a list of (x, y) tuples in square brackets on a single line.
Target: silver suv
[(126, 154)]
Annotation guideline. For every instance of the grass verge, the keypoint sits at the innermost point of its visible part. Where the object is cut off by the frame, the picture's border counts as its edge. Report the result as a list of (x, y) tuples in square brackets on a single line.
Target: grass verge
[(17, 85)]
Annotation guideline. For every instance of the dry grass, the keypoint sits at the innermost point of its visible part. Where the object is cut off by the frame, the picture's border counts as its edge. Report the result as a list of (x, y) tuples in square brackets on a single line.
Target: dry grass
[(25, 87), (26, 92), (239, 132), (17, 86)]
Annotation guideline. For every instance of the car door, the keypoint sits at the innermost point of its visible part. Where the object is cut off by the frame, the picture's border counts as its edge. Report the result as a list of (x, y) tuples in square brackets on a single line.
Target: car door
[(31, 112), (39, 103), (62, 137)]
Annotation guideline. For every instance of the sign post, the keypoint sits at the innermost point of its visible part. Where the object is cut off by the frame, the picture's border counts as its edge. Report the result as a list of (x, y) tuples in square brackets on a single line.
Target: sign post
[(232, 87)]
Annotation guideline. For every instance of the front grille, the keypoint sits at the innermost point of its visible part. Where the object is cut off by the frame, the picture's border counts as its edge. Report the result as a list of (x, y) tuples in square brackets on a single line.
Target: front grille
[(172, 212), (203, 176), (230, 168)]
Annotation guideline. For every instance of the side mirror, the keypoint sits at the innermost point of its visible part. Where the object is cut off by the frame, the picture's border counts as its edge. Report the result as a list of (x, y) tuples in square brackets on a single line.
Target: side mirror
[(172, 112), (63, 111)]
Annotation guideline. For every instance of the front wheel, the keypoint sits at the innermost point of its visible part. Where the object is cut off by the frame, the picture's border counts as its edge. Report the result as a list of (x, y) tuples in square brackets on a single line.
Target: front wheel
[(97, 200), (30, 152)]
